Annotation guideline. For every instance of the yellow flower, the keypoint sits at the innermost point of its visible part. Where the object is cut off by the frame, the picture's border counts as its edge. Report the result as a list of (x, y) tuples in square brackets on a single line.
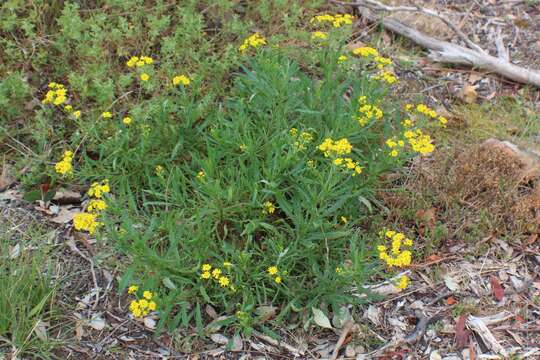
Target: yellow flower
[(278, 279), (293, 131), (147, 60), (152, 305), (386, 76), (216, 273), (206, 275), (394, 153), (272, 270), (339, 147), (132, 61), (127, 120), (403, 282), (85, 222), (227, 265), (133, 289), (319, 35), (159, 170), (64, 167), (365, 51), (224, 281), (106, 115), (344, 219), (339, 270), (253, 41), (144, 77), (98, 189), (181, 79), (243, 147), (96, 205), (147, 295), (201, 175), (77, 114), (269, 207), (342, 58), (206, 267), (311, 163)]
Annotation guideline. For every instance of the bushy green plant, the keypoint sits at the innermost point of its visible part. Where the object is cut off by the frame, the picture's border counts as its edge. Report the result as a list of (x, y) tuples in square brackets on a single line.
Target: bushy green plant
[(239, 169)]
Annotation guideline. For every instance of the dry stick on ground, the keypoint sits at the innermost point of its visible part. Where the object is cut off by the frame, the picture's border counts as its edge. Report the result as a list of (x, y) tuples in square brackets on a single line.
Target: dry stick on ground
[(444, 51)]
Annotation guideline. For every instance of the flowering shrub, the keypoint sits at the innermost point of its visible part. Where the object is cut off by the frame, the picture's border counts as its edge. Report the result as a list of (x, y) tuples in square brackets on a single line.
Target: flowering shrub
[(242, 171)]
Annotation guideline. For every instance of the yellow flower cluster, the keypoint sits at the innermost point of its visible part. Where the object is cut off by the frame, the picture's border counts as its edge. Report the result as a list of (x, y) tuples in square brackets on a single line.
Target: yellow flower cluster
[(420, 142), (334, 148), (56, 95), (396, 256), (201, 175), (208, 273), (382, 61), (386, 76), (96, 205), (159, 170), (181, 79), (274, 272), (97, 189), (76, 113), (367, 111), (319, 35), (348, 164), (302, 139), (136, 61), (106, 115), (337, 20), (269, 207), (141, 307), (127, 120), (64, 166), (140, 62), (427, 111), (342, 59), (365, 51), (253, 41), (87, 221), (394, 144), (403, 282)]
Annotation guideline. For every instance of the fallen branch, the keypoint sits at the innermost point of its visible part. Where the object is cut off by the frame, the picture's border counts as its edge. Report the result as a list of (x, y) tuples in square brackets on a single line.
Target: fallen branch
[(289, 348), (444, 51), (346, 329), (478, 326)]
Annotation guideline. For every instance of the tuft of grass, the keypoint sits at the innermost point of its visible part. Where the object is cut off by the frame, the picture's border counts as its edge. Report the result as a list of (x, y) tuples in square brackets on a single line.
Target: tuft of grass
[(26, 295)]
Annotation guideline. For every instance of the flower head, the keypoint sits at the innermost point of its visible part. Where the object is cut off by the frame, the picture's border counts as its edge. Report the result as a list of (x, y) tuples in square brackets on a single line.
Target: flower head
[(144, 77), (181, 79)]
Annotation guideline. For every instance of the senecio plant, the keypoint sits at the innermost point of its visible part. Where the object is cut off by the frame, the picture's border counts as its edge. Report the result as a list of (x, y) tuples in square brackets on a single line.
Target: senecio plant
[(257, 198)]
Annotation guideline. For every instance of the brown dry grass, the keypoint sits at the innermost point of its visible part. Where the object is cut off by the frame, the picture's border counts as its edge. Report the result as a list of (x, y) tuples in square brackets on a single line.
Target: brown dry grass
[(469, 190)]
